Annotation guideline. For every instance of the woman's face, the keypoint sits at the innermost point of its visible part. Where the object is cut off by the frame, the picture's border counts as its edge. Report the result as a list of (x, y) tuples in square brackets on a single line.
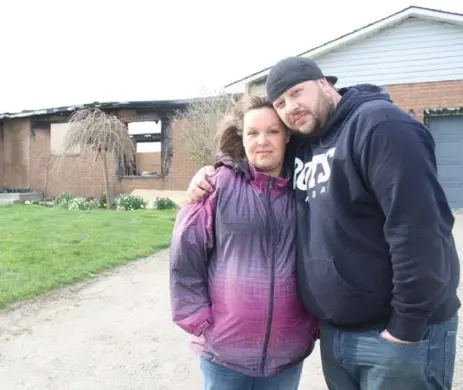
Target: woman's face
[(264, 140)]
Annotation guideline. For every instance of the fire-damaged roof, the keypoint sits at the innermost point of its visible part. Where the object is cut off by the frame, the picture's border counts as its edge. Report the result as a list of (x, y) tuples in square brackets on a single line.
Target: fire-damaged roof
[(157, 105)]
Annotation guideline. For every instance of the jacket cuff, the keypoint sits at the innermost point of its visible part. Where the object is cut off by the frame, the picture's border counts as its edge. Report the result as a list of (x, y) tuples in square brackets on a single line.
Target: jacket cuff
[(407, 328), (202, 327)]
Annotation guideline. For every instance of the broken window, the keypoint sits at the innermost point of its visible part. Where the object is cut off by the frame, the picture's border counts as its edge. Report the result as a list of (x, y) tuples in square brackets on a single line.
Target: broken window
[(146, 136)]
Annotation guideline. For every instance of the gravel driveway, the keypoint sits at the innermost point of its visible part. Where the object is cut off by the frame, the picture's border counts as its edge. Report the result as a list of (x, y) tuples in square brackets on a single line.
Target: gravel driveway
[(115, 333)]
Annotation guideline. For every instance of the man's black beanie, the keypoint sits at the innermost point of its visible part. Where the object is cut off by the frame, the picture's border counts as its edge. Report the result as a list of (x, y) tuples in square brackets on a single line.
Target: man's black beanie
[(292, 71)]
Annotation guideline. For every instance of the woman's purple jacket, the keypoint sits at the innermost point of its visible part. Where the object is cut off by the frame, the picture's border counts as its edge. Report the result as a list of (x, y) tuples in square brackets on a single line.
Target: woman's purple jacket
[(233, 264)]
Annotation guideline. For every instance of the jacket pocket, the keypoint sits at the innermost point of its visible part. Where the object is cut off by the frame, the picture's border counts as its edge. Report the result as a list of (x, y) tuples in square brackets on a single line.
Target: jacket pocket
[(338, 301)]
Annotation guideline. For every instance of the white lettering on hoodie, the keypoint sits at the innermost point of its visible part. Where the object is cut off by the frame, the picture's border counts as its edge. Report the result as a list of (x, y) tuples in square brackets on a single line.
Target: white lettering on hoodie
[(312, 176)]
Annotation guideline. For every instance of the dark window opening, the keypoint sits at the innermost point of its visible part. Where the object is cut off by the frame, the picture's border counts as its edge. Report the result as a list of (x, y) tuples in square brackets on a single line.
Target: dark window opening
[(146, 137)]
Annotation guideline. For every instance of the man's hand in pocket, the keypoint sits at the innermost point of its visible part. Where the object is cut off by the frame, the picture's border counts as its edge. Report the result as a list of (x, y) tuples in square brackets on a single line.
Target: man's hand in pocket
[(387, 336)]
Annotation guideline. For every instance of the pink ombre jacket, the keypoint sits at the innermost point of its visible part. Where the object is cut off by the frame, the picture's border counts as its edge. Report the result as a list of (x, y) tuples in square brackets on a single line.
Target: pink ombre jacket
[(233, 264)]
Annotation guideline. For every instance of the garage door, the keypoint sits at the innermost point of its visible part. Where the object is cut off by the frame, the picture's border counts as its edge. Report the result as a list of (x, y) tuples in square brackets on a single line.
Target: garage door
[(448, 135)]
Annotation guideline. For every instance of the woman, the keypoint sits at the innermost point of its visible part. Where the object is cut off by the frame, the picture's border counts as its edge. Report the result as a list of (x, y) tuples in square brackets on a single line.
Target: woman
[(233, 262)]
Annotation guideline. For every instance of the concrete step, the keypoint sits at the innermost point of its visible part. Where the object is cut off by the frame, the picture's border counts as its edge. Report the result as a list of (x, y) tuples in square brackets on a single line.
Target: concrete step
[(19, 197)]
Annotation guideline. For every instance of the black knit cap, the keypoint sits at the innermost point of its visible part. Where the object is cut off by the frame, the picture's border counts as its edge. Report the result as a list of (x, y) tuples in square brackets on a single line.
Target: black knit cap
[(292, 71)]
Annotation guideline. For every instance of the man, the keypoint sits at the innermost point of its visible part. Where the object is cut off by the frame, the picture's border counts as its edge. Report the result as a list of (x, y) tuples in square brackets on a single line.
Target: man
[(377, 260)]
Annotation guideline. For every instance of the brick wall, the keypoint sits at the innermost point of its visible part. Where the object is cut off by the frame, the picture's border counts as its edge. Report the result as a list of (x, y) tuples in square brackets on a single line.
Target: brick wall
[(182, 167), (16, 157), (149, 162), (77, 175), (83, 176), (1, 155), (418, 97)]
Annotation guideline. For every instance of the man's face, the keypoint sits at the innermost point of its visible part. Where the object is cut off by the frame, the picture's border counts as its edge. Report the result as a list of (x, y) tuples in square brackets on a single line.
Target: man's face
[(306, 107)]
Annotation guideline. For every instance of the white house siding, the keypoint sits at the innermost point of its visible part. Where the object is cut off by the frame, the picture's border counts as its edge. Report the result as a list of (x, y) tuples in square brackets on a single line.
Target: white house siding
[(257, 88), (414, 51)]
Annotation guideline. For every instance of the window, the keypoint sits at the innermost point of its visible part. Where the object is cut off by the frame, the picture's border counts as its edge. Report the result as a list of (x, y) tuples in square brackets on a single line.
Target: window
[(58, 132), (147, 138)]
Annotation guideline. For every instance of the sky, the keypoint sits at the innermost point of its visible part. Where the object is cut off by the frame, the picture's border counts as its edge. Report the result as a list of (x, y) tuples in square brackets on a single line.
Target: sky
[(57, 53)]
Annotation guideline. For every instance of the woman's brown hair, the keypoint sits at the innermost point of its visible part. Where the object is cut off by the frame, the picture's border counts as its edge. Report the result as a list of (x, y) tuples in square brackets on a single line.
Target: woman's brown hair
[(230, 134)]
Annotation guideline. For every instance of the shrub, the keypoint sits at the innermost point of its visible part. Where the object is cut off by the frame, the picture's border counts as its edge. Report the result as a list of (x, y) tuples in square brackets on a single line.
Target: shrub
[(80, 203), (65, 201), (102, 200), (164, 204), (130, 202), (62, 200)]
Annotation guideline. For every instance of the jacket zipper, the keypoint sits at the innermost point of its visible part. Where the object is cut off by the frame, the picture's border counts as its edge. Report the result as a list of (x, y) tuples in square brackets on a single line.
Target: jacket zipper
[(272, 277)]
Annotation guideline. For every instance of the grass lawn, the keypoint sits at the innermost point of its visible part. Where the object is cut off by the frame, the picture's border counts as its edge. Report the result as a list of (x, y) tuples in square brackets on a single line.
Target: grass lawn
[(43, 248)]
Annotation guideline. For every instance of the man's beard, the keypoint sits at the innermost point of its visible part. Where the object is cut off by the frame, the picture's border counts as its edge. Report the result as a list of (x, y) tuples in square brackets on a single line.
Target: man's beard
[(318, 122), (309, 128), (320, 126)]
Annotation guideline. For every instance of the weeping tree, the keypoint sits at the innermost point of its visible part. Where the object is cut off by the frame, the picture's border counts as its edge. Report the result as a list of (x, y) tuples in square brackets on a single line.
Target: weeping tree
[(196, 127), (92, 130)]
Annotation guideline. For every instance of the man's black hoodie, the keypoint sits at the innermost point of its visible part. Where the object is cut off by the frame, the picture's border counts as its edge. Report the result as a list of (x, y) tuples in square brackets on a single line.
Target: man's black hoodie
[(375, 242)]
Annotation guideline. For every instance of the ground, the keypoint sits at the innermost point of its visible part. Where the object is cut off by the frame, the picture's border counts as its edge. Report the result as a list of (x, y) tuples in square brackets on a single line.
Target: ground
[(114, 333)]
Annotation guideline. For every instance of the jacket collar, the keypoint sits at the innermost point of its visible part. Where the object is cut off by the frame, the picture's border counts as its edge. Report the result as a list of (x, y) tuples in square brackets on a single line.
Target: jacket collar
[(258, 179), (261, 180)]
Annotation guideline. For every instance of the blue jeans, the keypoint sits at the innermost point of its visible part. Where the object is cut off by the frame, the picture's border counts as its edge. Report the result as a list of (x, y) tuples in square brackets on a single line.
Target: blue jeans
[(365, 360), (217, 377)]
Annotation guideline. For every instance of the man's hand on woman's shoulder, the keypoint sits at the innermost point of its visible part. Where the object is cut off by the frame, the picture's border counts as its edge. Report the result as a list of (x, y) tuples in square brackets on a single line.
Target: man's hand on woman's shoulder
[(199, 185)]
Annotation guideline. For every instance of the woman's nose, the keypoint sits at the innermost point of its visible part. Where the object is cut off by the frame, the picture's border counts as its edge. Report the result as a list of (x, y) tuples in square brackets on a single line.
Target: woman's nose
[(262, 139)]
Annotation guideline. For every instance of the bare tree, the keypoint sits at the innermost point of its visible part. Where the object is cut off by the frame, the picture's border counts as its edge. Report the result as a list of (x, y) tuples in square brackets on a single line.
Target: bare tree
[(196, 127), (92, 130)]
